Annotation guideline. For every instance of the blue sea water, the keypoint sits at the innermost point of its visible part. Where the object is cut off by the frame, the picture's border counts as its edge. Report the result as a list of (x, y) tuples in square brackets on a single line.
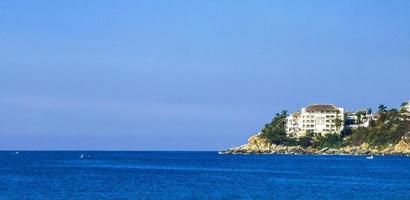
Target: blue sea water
[(200, 175)]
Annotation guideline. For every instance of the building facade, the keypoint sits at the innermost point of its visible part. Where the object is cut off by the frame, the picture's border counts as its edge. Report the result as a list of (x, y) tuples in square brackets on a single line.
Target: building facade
[(293, 126), (406, 106), (320, 119), (405, 110), (360, 118)]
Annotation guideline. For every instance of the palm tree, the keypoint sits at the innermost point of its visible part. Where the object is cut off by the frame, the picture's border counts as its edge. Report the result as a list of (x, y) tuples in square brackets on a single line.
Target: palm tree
[(359, 118), (284, 113), (382, 108), (369, 111), (338, 121), (382, 113)]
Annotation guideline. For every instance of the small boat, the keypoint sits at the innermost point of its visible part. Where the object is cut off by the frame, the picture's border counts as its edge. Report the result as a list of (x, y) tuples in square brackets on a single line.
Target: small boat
[(85, 156), (369, 157), (15, 153)]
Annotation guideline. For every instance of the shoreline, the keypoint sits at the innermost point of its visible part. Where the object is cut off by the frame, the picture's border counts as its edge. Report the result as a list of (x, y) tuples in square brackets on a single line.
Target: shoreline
[(258, 145), (226, 152)]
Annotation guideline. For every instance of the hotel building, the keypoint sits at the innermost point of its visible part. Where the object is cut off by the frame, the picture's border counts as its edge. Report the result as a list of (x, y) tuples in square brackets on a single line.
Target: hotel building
[(318, 119)]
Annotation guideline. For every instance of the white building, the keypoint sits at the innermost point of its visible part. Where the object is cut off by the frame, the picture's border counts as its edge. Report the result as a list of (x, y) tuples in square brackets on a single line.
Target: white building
[(293, 126), (317, 119), (357, 119), (407, 106)]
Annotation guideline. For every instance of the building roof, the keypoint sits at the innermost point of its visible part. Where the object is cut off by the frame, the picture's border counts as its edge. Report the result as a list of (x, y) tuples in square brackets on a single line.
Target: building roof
[(321, 107)]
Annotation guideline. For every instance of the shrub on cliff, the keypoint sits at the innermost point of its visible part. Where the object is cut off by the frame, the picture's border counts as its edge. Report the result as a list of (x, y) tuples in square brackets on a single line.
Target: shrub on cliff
[(389, 129), (328, 140), (305, 141), (275, 131)]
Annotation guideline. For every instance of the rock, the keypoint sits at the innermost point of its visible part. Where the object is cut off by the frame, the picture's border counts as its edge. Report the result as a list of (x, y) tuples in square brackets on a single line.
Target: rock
[(364, 146), (295, 150), (256, 142), (330, 151), (259, 145), (323, 150), (347, 150), (403, 147), (363, 151)]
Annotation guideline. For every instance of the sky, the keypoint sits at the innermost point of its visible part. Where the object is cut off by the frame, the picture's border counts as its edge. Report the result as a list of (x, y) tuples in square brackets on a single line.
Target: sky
[(189, 75)]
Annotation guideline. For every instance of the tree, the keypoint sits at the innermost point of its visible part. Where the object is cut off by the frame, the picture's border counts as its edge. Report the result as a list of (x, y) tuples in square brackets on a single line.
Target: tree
[(346, 132), (369, 111), (338, 121), (382, 113), (382, 108), (305, 141), (276, 130), (403, 109), (371, 122), (329, 140), (359, 118)]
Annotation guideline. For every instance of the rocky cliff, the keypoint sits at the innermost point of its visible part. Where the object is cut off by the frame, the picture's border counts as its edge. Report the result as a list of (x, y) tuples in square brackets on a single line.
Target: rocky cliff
[(259, 145)]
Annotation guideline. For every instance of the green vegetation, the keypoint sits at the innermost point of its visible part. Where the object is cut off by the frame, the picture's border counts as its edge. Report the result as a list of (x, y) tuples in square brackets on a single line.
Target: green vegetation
[(389, 128), (329, 140), (276, 130), (305, 141)]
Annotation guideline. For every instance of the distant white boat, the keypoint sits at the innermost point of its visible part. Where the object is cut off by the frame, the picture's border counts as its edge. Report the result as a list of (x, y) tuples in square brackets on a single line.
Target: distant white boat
[(15, 153), (85, 156), (369, 157)]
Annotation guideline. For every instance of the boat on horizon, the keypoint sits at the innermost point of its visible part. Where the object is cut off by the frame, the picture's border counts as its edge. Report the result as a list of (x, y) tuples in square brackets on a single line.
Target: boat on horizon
[(85, 156), (369, 157)]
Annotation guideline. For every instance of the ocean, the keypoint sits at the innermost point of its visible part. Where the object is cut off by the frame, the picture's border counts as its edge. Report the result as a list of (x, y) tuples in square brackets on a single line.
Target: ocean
[(200, 175)]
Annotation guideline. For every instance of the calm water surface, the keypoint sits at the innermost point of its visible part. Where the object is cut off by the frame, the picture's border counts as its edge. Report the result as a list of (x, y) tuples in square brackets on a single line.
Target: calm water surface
[(200, 175)]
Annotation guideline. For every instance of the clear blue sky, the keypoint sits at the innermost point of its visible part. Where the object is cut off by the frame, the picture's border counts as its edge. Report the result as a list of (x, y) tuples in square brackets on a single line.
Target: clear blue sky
[(189, 75)]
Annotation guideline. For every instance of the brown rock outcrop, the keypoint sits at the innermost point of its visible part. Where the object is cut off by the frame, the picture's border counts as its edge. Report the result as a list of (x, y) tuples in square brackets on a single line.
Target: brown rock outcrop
[(259, 145), (403, 147)]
